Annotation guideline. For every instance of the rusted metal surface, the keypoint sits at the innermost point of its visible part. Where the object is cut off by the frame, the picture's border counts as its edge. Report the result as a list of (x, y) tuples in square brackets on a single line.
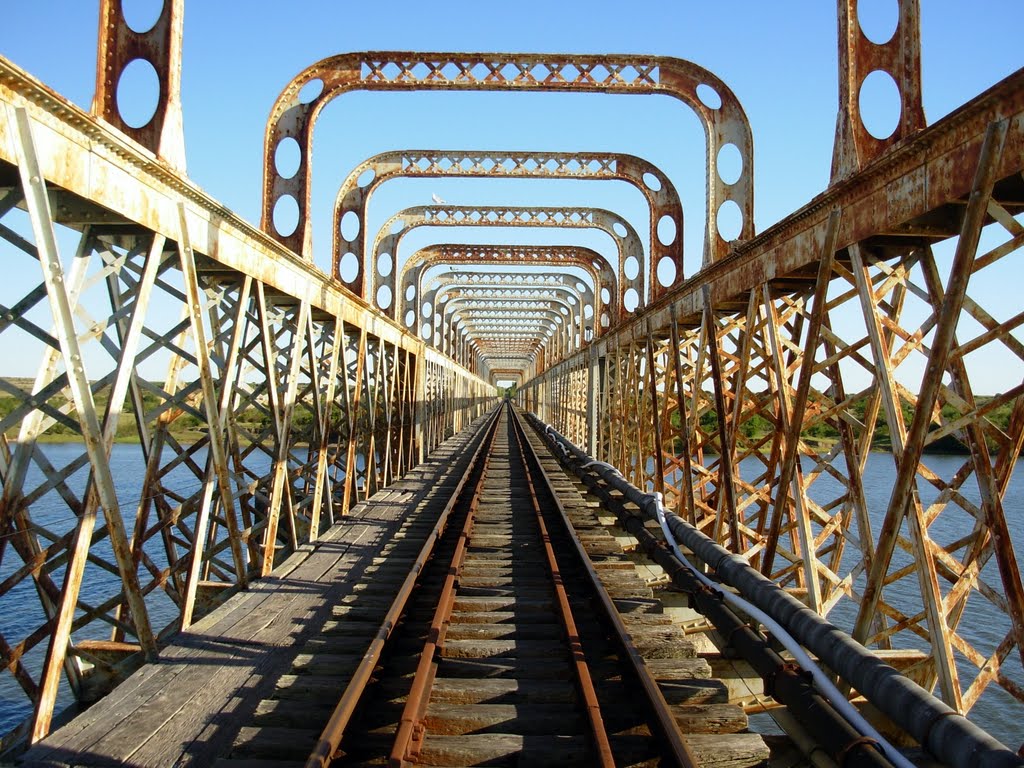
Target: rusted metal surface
[(793, 361), (420, 309), (384, 252), (843, 318), (451, 290), (539, 260), (293, 116), (584, 681), (504, 538), (160, 47), (899, 58), (304, 398), (329, 740), (409, 736), (665, 256)]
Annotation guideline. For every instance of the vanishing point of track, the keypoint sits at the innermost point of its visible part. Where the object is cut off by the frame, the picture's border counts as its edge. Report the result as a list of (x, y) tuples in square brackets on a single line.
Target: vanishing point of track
[(512, 622)]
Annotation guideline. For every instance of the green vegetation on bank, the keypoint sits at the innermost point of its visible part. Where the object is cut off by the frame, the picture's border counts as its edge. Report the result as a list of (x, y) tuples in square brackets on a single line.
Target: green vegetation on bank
[(756, 427), (187, 426)]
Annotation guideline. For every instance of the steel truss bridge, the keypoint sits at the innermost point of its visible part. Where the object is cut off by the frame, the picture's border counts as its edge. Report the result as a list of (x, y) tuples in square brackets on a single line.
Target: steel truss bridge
[(748, 393)]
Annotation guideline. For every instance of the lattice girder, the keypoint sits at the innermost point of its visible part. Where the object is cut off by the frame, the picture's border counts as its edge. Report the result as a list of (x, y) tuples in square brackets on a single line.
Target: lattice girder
[(665, 257), (540, 260), (294, 114), (808, 372), (149, 468), (389, 280)]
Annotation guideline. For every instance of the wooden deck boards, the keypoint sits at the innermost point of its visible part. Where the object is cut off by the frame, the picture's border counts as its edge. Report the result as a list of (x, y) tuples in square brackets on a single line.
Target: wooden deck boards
[(188, 707)]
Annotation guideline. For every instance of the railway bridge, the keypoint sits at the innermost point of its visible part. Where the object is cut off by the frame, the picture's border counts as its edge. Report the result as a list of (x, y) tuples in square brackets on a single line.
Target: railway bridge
[(182, 558)]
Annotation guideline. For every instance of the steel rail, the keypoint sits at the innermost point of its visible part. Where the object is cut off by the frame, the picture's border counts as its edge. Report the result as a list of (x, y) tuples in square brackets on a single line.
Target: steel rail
[(409, 737), (584, 682), (330, 738), (940, 730), (664, 722)]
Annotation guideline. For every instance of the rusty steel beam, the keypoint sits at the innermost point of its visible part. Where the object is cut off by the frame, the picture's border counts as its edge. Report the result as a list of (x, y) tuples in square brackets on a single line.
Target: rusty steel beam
[(561, 302), (542, 259), (764, 348), (159, 46), (757, 337), (498, 291), (898, 57), (251, 336), (560, 286), (384, 253), (294, 114), (665, 253), (915, 196)]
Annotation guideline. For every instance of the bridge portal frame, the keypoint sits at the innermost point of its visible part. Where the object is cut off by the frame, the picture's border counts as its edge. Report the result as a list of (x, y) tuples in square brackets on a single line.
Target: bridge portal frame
[(557, 257), (293, 116), (758, 337), (397, 281), (565, 297), (664, 253), (286, 379)]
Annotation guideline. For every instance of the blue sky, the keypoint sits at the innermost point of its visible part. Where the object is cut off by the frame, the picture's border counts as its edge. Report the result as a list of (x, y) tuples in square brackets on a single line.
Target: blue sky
[(778, 57)]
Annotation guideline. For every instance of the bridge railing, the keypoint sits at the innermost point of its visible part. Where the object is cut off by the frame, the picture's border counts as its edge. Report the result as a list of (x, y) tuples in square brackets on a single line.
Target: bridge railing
[(840, 402), (185, 403)]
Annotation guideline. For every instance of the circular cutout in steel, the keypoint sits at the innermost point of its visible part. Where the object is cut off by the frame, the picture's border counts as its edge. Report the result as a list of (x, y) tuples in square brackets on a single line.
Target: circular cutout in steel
[(729, 220), (286, 215), (383, 297), (878, 19), (666, 271), (384, 264), (311, 90), (287, 157), (729, 164), (350, 226), (141, 15), (631, 300), (880, 106), (709, 96), (348, 268), (366, 178), (652, 182), (138, 93), (667, 230)]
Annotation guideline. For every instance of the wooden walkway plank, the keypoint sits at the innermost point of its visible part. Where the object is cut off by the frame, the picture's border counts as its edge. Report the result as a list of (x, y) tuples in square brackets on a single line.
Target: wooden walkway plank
[(188, 707)]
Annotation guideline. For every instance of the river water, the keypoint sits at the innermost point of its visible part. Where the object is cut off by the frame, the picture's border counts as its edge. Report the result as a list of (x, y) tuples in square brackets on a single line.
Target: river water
[(996, 711)]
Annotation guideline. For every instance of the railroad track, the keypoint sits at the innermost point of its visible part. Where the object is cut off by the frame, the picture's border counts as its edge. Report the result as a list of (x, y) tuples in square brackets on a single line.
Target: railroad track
[(522, 634)]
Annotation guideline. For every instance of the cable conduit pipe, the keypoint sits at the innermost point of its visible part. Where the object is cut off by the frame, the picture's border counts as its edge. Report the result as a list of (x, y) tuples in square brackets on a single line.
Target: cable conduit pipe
[(940, 730), (785, 681)]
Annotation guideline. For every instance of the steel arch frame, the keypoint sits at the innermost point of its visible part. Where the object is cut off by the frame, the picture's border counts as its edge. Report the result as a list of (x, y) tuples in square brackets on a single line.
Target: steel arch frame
[(558, 256), (294, 114), (571, 320), (562, 285), (662, 198), (564, 296), (559, 283), (387, 241)]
